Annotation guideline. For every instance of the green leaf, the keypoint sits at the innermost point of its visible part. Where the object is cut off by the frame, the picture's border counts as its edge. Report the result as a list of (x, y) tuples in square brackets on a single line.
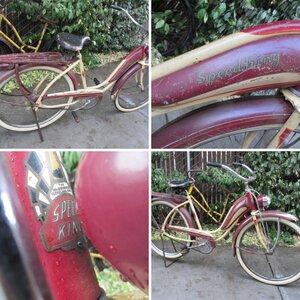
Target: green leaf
[(160, 24)]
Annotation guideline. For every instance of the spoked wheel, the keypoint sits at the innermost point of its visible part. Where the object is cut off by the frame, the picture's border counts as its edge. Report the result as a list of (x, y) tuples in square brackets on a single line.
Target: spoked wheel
[(15, 110), (281, 264), (132, 90), (161, 243), (178, 28)]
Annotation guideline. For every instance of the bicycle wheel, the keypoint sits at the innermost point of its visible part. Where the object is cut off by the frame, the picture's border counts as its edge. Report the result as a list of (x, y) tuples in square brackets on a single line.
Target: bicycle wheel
[(250, 122), (179, 25), (131, 91), (160, 244), (279, 267), (15, 110)]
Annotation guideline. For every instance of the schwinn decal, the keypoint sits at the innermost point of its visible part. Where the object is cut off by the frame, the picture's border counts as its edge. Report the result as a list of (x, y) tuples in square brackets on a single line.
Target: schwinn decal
[(242, 66), (53, 201)]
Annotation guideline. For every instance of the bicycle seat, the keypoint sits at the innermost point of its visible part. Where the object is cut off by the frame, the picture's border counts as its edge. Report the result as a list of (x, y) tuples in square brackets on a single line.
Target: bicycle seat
[(184, 183), (71, 41)]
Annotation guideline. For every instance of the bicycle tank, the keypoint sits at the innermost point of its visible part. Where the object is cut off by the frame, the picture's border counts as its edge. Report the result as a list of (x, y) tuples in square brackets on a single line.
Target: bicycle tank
[(262, 57), (111, 189)]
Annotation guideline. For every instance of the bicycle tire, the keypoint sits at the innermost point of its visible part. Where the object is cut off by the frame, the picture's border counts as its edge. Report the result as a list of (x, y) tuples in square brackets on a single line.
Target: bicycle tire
[(182, 12), (168, 247), (225, 125), (131, 91), (15, 110), (282, 266)]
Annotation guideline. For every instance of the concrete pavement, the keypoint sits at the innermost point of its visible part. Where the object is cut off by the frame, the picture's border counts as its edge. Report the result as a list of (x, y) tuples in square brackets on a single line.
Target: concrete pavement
[(216, 276)]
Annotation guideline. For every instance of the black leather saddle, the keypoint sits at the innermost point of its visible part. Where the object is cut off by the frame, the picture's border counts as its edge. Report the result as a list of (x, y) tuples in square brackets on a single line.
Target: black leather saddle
[(71, 41), (185, 183)]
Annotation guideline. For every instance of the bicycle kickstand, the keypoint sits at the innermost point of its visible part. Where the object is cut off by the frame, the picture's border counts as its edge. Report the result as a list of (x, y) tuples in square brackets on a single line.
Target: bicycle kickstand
[(37, 124), (174, 261)]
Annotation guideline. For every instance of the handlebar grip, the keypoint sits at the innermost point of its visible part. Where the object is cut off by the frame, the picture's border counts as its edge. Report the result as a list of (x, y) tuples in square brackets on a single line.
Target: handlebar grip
[(214, 164), (113, 6)]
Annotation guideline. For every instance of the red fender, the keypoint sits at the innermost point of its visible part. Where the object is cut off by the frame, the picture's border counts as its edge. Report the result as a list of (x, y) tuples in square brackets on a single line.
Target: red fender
[(123, 78), (27, 60), (176, 199), (181, 209), (268, 213), (130, 60), (207, 122)]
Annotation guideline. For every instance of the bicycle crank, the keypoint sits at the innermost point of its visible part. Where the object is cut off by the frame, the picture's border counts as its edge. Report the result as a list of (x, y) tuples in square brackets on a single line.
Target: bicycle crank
[(203, 246), (88, 103)]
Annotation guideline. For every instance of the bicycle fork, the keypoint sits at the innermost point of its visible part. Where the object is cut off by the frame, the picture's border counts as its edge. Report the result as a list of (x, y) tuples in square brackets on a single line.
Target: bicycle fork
[(263, 233)]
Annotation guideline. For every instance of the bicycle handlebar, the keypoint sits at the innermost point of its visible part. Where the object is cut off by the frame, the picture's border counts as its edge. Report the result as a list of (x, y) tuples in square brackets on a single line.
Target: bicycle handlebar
[(251, 178), (116, 7)]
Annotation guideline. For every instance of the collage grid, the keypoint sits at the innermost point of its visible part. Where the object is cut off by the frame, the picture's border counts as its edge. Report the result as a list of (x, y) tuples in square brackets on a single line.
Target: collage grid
[(156, 169)]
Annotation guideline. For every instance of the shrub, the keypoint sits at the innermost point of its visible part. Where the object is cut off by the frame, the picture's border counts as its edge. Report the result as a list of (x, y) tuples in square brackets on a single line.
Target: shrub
[(220, 18), (107, 28)]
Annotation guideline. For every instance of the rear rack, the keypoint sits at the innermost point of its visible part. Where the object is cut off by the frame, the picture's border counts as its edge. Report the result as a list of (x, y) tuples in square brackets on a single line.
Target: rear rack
[(54, 58)]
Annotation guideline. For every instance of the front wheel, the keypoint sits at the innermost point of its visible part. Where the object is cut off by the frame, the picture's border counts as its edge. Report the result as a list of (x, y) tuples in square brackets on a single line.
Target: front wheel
[(280, 263), (162, 244), (15, 109), (131, 91)]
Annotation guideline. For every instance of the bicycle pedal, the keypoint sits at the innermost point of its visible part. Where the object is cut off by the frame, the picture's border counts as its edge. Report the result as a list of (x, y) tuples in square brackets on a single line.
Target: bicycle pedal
[(75, 116), (96, 81)]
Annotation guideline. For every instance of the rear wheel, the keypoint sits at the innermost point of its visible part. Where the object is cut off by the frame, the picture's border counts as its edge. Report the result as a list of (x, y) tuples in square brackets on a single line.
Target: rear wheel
[(132, 89), (281, 264), (162, 244), (15, 110)]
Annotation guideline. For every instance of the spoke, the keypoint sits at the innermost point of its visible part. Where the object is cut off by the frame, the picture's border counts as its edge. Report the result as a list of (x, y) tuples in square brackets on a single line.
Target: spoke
[(248, 139)]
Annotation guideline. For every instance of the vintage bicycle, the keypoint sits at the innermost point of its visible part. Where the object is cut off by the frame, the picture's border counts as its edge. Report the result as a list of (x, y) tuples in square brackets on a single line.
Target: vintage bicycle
[(9, 45), (36, 89), (217, 79), (265, 242)]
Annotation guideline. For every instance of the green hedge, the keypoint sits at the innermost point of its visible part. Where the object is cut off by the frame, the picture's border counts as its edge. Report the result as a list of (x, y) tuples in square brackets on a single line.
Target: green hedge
[(278, 174), (220, 18), (108, 29)]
